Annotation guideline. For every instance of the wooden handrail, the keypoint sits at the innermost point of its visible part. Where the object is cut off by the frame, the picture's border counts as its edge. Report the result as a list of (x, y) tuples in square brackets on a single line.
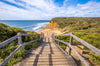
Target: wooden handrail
[(20, 45), (80, 57), (27, 34), (10, 56), (13, 38), (63, 35), (94, 49), (8, 41)]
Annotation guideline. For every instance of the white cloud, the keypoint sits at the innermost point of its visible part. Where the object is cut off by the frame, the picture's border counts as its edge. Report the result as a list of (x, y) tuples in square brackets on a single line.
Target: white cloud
[(47, 9), (89, 5)]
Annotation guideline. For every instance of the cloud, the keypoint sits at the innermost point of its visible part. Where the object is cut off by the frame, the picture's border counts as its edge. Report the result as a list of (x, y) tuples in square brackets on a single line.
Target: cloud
[(46, 9)]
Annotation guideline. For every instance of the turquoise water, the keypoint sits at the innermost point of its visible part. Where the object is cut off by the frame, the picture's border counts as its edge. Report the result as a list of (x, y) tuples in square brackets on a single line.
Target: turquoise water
[(32, 25)]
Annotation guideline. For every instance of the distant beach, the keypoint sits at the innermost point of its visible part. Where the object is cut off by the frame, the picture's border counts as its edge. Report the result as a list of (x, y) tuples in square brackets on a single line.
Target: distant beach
[(30, 25)]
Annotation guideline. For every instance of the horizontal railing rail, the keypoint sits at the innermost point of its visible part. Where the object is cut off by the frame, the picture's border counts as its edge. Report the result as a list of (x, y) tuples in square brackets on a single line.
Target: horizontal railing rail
[(8, 41), (27, 34), (69, 45), (20, 45), (94, 49)]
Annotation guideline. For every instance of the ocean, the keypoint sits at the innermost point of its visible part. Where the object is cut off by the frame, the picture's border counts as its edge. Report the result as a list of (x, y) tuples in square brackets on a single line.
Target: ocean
[(30, 25)]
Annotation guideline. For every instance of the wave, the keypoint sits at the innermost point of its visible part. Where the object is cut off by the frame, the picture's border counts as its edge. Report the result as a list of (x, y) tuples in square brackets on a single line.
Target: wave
[(27, 27), (40, 26)]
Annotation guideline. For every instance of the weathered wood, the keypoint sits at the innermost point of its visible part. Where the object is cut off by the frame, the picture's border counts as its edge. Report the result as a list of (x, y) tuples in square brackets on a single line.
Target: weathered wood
[(64, 35), (34, 37), (19, 39), (71, 41), (20, 45), (10, 56), (13, 53), (53, 37), (59, 39), (94, 49), (29, 42), (8, 41), (80, 57), (41, 37), (27, 34)]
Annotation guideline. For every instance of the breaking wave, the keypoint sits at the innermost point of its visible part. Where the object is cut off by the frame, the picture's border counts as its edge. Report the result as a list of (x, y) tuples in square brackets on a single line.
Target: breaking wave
[(39, 26)]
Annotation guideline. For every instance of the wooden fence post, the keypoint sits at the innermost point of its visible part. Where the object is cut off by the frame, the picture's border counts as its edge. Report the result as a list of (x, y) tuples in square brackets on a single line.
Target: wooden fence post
[(41, 37), (38, 37), (71, 41), (34, 37), (19, 39), (58, 39), (53, 37)]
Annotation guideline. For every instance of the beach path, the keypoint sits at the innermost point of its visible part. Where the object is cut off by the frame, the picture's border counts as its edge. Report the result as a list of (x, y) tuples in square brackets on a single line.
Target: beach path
[(47, 54)]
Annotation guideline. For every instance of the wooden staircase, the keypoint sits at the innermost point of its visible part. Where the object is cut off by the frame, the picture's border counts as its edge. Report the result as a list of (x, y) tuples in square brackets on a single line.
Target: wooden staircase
[(47, 54)]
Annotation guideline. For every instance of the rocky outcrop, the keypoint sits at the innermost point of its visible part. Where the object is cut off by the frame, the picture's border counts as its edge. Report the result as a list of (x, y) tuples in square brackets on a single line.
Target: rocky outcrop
[(52, 25)]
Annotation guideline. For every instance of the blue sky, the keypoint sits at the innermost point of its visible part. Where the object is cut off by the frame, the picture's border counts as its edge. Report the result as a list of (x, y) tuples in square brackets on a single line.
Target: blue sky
[(48, 9)]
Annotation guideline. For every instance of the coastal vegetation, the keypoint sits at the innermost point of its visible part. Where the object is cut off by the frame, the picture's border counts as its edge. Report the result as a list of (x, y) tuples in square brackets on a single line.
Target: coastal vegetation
[(7, 32), (86, 28)]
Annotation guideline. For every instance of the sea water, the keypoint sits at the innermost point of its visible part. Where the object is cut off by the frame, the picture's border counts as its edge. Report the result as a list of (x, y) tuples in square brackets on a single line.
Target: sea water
[(30, 25)]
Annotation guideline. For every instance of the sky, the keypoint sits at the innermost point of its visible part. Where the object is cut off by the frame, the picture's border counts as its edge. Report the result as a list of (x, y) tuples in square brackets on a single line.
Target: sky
[(48, 9)]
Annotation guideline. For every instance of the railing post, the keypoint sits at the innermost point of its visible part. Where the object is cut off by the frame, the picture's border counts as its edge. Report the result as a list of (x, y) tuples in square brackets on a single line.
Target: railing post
[(58, 39), (41, 37), (34, 37), (53, 37), (71, 42), (38, 37), (19, 39)]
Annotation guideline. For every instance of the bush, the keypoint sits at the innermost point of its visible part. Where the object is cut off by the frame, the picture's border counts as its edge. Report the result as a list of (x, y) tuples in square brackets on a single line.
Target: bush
[(7, 32)]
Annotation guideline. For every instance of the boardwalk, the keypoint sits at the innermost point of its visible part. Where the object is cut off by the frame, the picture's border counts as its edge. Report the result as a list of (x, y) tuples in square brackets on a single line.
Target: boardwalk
[(47, 54)]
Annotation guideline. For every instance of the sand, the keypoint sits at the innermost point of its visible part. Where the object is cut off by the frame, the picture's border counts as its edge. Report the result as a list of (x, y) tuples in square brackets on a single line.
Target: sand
[(45, 30)]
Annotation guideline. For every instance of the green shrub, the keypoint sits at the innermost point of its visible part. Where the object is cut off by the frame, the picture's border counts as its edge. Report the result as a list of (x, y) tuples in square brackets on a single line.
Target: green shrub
[(7, 32)]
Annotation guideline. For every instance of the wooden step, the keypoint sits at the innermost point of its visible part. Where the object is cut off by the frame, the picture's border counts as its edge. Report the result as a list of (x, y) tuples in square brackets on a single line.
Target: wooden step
[(47, 60), (47, 54), (40, 63), (47, 65)]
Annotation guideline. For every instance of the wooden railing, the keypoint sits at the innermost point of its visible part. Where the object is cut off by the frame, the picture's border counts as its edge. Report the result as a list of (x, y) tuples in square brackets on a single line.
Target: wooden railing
[(20, 44), (94, 49)]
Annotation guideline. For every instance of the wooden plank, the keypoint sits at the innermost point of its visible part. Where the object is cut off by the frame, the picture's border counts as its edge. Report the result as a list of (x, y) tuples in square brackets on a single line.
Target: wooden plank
[(10, 56), (71, 41), (29, 42), (13, 53), (63, 35), (8, 41), (59, 39), (19, 39), (27, 34), (80, 57), (94, 49)]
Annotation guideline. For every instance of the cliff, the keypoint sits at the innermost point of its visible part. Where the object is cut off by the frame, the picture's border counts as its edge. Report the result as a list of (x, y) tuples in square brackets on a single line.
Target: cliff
[(52, 25), (81, 24)]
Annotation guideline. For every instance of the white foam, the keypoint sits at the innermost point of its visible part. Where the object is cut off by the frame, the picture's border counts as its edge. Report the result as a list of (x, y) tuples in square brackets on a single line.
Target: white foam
[(40, 26), (24, 27)]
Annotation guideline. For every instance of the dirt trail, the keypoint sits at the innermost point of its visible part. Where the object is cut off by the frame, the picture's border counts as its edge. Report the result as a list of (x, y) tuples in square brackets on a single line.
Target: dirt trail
[(50, 31)]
